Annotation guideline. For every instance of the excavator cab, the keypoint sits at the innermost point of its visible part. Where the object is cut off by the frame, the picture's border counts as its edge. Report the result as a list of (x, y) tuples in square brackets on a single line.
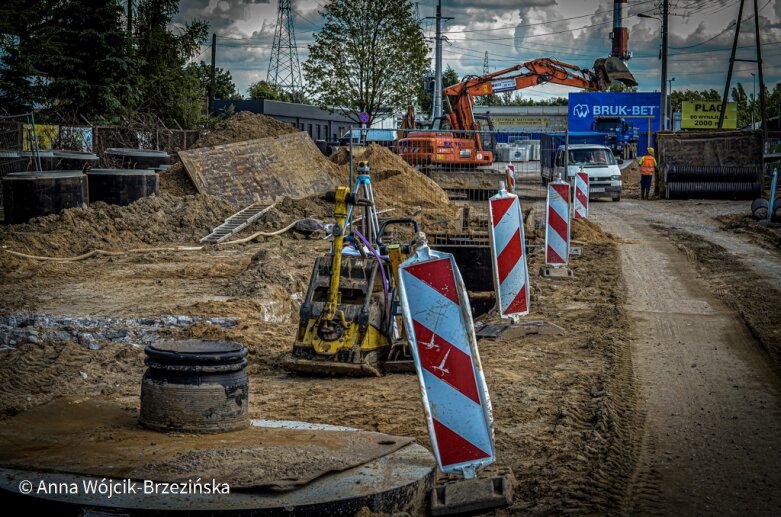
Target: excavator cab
[(612, 69)]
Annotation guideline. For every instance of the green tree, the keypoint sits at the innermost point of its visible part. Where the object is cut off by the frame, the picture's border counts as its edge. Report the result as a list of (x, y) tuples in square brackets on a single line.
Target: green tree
[(22, 24), (263, 90), (368, 56), (169, 92), (679, 96), (425, 100), (88, 70), (616, 86), (741, 99), (224, 87), (774, 103)]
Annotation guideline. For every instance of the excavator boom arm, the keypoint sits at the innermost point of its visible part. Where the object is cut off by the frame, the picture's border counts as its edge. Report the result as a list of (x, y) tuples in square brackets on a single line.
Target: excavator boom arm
[(540, 71)]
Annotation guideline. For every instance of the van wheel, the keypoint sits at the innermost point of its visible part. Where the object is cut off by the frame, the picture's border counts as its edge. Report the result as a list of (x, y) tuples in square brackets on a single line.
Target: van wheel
[(616, 197)]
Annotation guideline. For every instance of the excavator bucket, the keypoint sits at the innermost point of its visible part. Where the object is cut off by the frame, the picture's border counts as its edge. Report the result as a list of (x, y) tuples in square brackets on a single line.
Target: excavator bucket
[(613, 69)]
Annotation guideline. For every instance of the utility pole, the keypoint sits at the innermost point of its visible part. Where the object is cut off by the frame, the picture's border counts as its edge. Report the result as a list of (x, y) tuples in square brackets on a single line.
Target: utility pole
[(731, 66), (762, 105), (665, 32), (212, 78), (438, 64), (758, 61)]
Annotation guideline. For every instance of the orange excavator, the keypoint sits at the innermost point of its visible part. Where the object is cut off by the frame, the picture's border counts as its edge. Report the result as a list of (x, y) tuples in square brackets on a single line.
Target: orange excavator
[(456, 142)]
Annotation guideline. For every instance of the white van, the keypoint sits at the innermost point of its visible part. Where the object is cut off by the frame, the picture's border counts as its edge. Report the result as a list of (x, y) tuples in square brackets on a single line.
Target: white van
[(604, 176)]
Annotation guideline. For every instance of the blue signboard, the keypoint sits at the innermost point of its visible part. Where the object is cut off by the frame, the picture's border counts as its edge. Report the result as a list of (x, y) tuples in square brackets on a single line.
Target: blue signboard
[(585, 107)]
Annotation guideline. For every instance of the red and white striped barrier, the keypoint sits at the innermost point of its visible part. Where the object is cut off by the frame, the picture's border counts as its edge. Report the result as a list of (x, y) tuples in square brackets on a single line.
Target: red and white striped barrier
[(508, 251), (438, 321), (509, 173), (557, 224), (581, 195)]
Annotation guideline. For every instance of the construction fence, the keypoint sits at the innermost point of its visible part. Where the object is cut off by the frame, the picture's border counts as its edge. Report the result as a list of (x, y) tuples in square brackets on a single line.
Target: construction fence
[(16, 135), (471, 174)]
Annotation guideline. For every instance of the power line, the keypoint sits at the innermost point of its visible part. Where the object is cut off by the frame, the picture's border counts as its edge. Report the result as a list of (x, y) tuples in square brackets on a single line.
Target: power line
[(551, 22)]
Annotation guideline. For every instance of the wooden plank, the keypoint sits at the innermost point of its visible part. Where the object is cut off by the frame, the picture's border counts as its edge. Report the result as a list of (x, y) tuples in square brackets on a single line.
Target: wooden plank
[(262, 170)]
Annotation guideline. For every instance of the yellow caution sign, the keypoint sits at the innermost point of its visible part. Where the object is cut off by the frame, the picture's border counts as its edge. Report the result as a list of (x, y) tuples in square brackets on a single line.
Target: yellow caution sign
[(705, 115)]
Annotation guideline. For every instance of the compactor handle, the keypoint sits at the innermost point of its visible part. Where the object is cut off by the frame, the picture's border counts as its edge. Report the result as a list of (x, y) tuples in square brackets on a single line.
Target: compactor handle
[(398, 221)]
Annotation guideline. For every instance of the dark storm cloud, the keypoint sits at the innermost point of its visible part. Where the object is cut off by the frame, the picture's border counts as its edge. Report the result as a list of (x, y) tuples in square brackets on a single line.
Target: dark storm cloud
[(523, 30)]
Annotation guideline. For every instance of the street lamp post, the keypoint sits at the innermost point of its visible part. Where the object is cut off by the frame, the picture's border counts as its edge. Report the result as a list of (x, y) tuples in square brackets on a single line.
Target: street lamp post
[(753, 98), (670, 101)]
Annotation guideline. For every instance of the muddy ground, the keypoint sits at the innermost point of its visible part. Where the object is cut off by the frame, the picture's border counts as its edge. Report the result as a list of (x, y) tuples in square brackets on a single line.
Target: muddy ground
[(557, 399), (574, 418)]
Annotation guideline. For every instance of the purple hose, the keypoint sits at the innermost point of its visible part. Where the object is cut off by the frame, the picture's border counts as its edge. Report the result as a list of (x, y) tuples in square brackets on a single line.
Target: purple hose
[(382, 269)]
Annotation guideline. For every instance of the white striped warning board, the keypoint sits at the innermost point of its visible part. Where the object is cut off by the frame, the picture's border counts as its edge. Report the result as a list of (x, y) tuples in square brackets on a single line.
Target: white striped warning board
[(438, 321), (557, 224), (508, 253), (581, 195)]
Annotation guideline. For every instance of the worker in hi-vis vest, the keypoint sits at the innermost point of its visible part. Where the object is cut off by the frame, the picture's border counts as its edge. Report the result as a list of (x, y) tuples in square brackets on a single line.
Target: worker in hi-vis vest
[(647, 169)]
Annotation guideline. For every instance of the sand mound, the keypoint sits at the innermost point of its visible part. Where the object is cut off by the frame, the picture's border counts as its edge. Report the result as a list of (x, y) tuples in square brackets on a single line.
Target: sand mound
[(630, 177), (149, 221), (584, 230), (176, 182), (395, 183), (244, 126)]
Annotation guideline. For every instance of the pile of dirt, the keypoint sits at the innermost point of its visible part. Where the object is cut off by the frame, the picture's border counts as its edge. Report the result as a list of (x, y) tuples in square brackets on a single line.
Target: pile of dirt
[(149, 221), (176, 182), (394, 181), (244, 126), (630, 179), (588, 232), (767, 237)]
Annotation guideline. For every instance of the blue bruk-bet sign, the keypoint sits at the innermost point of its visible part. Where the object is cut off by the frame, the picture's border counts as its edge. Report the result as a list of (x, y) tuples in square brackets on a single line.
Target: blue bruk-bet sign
[(585, 107)]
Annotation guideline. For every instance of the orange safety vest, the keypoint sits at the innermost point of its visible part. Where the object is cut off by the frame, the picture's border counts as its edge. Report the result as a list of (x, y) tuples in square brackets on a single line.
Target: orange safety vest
[(648, 165)]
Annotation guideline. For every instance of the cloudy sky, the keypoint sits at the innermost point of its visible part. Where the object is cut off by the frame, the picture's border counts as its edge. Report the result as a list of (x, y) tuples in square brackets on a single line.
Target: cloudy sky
[(514, 31)]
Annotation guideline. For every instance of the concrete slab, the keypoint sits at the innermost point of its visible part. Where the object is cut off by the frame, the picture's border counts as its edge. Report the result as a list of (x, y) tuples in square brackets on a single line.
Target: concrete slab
[(261, 170)]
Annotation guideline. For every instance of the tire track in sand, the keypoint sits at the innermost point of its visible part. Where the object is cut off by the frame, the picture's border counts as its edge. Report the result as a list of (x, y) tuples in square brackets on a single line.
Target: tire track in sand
[(712, 435)]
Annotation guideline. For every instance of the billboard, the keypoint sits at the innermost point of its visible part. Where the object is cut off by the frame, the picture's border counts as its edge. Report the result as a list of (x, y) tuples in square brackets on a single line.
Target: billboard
[(705, 115), (637, 107)]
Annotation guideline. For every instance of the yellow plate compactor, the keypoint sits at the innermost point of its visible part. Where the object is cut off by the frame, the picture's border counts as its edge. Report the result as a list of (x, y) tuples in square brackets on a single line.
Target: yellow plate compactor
[(349, 320)]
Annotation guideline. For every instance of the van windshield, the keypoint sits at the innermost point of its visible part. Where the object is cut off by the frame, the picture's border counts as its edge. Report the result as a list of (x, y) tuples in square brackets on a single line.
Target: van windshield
[(609, 125), (596, 157)]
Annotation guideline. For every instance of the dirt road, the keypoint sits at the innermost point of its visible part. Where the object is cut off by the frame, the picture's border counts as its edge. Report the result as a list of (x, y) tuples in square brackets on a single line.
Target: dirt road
[(711, 442)]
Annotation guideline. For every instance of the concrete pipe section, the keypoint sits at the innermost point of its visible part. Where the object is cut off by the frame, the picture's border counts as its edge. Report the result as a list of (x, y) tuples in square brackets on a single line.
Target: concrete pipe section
[(138, 158), (195, 386), (121, 186), (35, 194), (72, 160), (396, 482), (10, 161), (46, 156)]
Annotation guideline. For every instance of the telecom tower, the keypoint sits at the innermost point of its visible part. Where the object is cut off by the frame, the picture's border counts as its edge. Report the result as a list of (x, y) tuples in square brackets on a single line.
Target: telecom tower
[(283, 69), (485, 64)]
